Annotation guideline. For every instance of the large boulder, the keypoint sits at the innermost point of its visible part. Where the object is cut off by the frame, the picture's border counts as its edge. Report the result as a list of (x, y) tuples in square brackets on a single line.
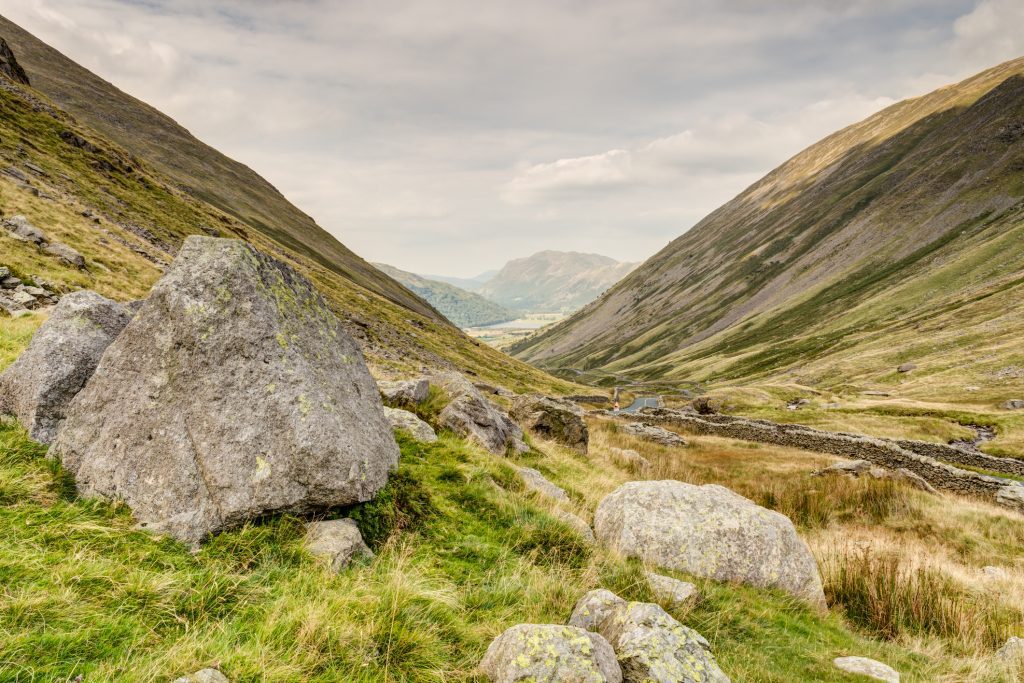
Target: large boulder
[(552, 419), (708, 531), (63, 354), (652, 647), (234, 392), (549, 653), (406, 421), (471, 415)]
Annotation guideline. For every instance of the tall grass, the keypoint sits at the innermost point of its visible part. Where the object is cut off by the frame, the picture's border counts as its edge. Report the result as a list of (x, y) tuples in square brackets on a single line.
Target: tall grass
[(817, 503), (892, 598)]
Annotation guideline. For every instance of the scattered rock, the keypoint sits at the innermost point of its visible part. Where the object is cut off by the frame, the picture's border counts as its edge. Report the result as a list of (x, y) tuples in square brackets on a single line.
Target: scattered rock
[(234, 392), (337, 541), (9, 65), (63, 354), (494, 390), (867, 667), (972, 388), (856, 468), (203, 676), (652, 433), (577, 524), (9, 281), (403, 419), (593, 607), (708, 531), (875, 393), (1012, 651), (471, 415), (552, 419), (851, 468), (706, 405), (408, 392), (630, 459), (66, 254), (652, 647), (535, 481), (549, 653), (797, 404), (1013, 404), (906, 367), (20, 228), (673, 592)]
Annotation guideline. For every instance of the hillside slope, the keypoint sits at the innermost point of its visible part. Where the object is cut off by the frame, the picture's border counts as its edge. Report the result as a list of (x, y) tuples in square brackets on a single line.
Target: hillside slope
[(193, 166), (840, 261), (464, 309), (554, 281), (127, 217)]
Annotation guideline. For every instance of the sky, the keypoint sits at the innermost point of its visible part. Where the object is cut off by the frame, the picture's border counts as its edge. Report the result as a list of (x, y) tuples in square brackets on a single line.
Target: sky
[(447, 137)]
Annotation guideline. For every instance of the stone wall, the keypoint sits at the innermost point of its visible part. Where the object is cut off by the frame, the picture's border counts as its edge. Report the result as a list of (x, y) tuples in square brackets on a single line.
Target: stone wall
[(882, 452)]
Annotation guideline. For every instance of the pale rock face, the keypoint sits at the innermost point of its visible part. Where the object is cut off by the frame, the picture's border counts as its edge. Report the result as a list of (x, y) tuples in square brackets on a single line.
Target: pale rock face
[(867, 667), (472, 416), (652, 647), (405, 392), (403, 419), (336, 541), (673, 592), (549, 653), (535, 481), (203, 676), (39, 386), (708, 531), (548, 418), (234, 392)]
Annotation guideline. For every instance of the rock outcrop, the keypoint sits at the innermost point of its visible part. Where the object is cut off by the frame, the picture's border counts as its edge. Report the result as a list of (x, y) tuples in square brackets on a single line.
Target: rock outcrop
[(20, 228), (404, 420), (653, 433), (708, 531), (868, 668), (472, 416), (408, 392), (234, 392), (16, 297), (337, 541), (9, 65), (549, 653), (548, 418), (39, 386)]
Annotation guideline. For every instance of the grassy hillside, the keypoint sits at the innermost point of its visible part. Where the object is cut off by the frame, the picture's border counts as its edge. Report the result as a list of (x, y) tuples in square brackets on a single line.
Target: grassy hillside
[(462, 308), (553, 281), (189, 165), (896, 239)]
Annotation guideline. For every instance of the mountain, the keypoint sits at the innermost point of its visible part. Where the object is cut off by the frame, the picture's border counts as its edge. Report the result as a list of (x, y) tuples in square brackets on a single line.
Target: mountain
[(464, 309), (554, 281), (123, 185), (897, 238), (470, 284)]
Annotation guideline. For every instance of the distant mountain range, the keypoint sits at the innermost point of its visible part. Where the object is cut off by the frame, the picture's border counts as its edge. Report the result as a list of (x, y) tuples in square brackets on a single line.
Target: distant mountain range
[(898, 238), (554, 281), (470, 284), (462, 307)]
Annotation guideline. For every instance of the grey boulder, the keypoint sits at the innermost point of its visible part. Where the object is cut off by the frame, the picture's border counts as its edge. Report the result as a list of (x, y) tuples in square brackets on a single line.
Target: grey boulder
[(22, 229), (1013, 404), (577, 524), (337, 541), (672, 592), (631, 460), (408, 392), (652, 647), (549, 653), (906, 367), (536, 482), (708, 531), (406, 421), (593, 607), (1012, 651), (470, 415), (66, 254), (653, 433), (39, 386), (869, 668), (234, 392), (549, 418)]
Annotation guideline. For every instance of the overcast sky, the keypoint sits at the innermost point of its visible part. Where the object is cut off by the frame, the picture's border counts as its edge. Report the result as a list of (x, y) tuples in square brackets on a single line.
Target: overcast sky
[(452, 135)]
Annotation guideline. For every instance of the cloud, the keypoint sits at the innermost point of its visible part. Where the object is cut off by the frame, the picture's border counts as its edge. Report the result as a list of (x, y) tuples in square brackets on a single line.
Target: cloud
[(450, 136)]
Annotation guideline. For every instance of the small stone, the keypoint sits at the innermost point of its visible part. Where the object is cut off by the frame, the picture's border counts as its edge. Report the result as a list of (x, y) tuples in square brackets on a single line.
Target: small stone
[(631, 460), (852, 468), (1012, 651), (337, 541), (672, 592), (550, 653), (9, 282), (203, 676), (404, 420), (66, 254), (1013, 404), (653, 433), (906, 367), (994, 572), (867, 667), (577, 524), (535, 481)]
